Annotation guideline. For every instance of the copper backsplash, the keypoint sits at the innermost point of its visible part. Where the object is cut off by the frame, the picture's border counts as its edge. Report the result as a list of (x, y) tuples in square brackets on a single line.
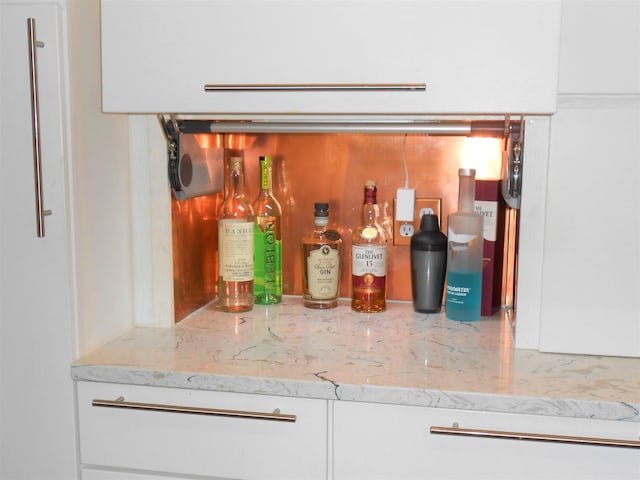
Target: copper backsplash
[(328, 167)]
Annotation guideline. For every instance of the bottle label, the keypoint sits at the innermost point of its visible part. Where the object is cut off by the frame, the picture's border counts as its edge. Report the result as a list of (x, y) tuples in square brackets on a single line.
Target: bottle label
[(268, 259), (323, 272), (235, 245), (489, 210), (464, 296), (370, 259)]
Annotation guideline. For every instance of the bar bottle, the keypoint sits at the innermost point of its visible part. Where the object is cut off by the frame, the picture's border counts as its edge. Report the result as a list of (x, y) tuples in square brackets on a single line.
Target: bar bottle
[(267, 286), (464, 254), (369, 257), (235, 243), (321, 257)]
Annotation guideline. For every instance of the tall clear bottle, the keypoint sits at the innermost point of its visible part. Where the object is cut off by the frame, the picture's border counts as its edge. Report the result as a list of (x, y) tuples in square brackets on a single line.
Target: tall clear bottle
[(369, 257), (464, 254), (321, 257), (267, 286), (235, 243)]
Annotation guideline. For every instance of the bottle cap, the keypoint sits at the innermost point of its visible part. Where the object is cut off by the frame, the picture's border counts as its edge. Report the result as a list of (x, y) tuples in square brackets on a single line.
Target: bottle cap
[(429, 223), (236, 163), (370, 183), (321, 209), (467, 172)]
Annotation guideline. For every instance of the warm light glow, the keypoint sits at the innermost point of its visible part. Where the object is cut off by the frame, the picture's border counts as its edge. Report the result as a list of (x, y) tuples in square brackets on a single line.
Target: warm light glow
[(239, 141), (484, 154), (208, 140)]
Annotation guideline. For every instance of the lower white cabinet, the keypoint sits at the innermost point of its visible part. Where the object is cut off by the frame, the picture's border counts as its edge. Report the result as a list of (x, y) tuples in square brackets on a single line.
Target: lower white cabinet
[(149, 433), (377, 441), (164, 436)]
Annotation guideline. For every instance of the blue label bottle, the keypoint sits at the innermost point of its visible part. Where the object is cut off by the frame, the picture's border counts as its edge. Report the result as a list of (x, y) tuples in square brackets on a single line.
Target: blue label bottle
[(464, 254)]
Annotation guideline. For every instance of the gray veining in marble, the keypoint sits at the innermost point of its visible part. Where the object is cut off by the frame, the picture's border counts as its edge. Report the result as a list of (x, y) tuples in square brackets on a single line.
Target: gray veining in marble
[(397, 357)]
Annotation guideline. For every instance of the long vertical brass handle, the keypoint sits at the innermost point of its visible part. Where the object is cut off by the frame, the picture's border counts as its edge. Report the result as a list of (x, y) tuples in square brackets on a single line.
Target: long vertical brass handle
[(35, 122)]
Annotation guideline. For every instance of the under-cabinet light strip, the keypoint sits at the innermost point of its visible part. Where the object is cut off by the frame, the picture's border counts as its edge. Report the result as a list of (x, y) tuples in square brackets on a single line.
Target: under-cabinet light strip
[(473, 128)]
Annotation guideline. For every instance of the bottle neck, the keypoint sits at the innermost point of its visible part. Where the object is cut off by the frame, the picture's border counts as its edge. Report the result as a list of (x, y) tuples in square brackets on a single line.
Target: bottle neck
[(265, 174), (370, 206), (320, 224), (467, 194), (236, 177)]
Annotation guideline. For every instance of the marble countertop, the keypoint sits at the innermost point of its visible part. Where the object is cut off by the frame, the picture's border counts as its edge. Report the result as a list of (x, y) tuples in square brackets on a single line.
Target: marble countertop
[(398, 356)]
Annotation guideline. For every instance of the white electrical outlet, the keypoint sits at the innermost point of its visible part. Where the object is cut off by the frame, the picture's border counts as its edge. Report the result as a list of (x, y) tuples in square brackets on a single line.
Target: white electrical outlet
[(403, 230), (426, 211), (406, 230)]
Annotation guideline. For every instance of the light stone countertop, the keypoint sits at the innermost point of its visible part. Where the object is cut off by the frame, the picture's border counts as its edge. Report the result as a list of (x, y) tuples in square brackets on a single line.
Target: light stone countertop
[(398, 356)]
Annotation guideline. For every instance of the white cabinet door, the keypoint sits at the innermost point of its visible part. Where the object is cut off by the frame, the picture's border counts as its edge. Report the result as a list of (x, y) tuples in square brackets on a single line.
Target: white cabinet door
[(600, 47), (376, 441), (37, 433), (590, 275), (179, 443), (474, 56)]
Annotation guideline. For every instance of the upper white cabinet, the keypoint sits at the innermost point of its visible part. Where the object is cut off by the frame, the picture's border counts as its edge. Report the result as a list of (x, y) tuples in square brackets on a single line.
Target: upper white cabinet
[(473, 57), (600, 47)]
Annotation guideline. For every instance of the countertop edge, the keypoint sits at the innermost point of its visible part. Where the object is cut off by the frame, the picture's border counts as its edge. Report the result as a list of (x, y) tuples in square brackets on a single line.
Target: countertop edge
[(320, 387)]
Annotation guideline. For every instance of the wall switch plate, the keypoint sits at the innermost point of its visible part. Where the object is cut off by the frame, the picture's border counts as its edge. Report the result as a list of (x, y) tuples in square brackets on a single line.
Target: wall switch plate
[(404, 230)]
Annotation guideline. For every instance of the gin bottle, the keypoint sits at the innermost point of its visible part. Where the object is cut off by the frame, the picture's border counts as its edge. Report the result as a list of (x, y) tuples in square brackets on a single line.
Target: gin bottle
[(267, 283), (235, 243), (464, 254), (369, 257), (321, 256)]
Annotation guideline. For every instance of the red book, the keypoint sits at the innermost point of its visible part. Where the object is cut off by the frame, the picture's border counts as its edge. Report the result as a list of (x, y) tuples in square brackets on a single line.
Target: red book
[(491, 205)]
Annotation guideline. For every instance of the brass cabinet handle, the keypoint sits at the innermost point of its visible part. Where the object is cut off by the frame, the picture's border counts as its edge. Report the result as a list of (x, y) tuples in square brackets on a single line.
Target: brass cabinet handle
[(470, 432), (156, 407), (35, 123), (314, 87)]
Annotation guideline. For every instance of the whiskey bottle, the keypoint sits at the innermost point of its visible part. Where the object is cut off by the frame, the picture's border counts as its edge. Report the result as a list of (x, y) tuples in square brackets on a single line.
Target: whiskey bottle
[(369, 257), (321, 256), (267, 283), (464, 254), (235, 243)]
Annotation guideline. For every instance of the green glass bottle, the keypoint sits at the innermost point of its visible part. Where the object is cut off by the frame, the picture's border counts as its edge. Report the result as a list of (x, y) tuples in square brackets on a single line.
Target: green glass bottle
[(267, 286)]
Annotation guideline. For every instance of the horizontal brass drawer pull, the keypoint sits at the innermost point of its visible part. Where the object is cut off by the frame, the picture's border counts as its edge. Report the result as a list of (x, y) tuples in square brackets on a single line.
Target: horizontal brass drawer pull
[(469, 432), (155, 407), (314, 87)]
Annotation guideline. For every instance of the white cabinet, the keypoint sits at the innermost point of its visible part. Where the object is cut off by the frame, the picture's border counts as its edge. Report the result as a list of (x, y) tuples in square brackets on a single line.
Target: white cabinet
[(473, 56), (293, 445), (376, 441), (589, 274), (600, 47), (37, 426)]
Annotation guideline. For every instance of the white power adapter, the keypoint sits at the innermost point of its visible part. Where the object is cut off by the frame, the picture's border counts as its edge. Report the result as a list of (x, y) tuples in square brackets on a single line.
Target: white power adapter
[(406, 204)]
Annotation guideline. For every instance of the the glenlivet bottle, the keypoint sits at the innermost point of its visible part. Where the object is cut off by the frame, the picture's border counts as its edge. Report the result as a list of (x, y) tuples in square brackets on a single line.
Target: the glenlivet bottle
[(267, 283), (464, 254), (369, 257), (321, 256), (235, 243)]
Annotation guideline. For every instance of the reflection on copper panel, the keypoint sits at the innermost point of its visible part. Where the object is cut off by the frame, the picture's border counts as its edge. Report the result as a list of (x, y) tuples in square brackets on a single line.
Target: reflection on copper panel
[(309, 168)]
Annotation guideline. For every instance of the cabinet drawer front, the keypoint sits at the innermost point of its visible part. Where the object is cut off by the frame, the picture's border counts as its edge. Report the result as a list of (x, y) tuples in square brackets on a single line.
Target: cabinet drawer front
[(473, 56), (162, 438), (395, 442)]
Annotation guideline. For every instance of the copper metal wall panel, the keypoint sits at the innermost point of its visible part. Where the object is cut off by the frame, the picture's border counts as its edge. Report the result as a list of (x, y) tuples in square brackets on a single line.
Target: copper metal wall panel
[(310, 168)]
